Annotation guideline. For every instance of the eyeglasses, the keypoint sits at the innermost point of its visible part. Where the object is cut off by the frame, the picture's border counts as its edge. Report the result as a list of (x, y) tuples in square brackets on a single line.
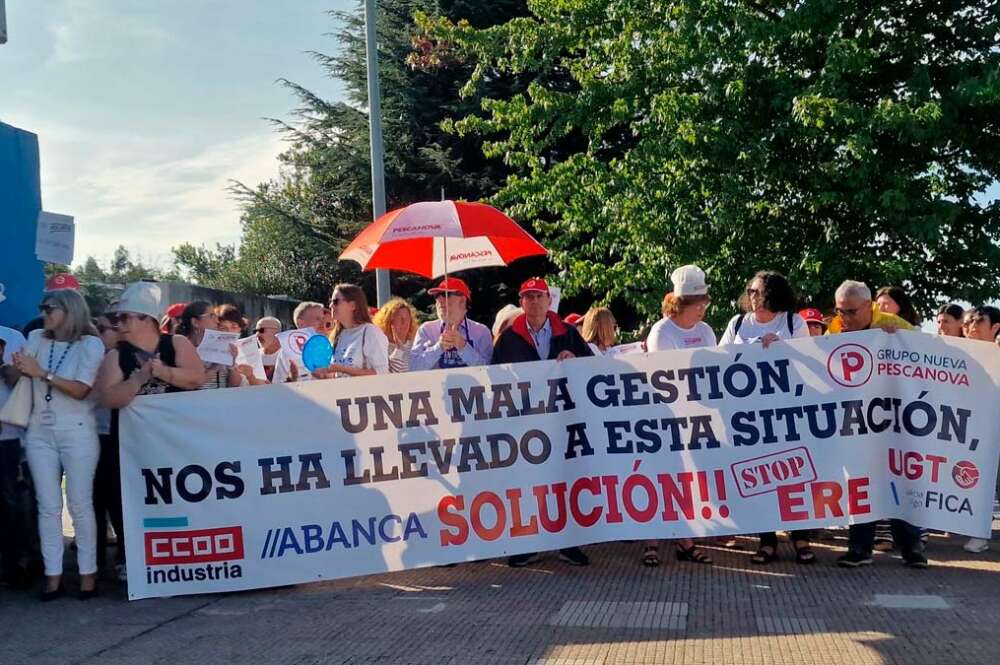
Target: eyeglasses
[(845, 312), (972, 322), (445, 294), (335, 301), (46, 309), (754, 292)]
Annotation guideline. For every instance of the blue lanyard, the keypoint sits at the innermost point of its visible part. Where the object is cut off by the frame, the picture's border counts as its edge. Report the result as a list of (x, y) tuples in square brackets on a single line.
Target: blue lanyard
[(51, 370)]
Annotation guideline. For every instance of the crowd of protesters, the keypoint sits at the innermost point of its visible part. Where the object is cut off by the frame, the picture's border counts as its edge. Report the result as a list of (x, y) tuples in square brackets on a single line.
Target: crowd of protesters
[(82, 371)]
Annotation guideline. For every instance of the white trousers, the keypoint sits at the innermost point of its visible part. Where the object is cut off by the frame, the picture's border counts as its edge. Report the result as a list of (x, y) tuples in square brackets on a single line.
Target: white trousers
[(50, 453)]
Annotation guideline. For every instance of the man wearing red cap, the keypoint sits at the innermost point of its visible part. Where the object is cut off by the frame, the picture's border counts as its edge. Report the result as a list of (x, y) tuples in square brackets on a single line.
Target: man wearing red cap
[(539, 334), (453, 340)]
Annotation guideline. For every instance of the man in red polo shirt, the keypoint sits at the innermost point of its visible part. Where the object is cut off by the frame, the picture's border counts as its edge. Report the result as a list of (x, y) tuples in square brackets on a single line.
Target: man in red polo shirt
[(539, 334)]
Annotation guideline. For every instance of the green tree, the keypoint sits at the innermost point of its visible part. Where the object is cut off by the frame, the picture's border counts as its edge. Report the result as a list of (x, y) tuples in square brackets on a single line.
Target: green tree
[(827, 140)]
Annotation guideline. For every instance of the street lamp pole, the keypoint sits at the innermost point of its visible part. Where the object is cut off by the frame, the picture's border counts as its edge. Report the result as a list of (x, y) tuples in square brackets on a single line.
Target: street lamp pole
[(382, 282)]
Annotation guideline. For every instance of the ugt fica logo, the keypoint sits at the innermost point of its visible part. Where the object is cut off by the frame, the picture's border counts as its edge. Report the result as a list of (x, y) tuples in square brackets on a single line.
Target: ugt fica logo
[(850, 365), (965, 474)]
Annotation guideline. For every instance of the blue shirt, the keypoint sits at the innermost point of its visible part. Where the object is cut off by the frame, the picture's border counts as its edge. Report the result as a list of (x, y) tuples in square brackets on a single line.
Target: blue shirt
[(428, 354), (542, 337)]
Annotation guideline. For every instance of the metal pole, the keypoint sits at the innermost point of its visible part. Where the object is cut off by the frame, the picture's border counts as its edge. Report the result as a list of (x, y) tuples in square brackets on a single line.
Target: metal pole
[(382, 282)]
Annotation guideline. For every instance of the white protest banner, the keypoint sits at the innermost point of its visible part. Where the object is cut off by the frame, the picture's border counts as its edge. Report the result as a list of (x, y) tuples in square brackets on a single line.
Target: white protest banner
[(626, 349), (248, 353), (428, 468), (214, 347), (54, 239)]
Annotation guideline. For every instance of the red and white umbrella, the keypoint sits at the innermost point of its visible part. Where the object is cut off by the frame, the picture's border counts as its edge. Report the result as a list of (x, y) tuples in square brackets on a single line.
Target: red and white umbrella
[(434, 238)]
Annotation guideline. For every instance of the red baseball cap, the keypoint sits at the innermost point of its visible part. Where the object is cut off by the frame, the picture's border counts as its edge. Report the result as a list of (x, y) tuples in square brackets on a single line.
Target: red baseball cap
[(535, 284), (61, 282), (813, 315), (573, 319), (175, 310), (451, 285)]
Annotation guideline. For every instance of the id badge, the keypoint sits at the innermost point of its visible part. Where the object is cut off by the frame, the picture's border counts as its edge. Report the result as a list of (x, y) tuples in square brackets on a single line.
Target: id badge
[(48, 418)]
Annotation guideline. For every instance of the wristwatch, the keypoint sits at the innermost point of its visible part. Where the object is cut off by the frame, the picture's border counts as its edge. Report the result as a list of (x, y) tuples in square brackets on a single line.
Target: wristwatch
[(49, 377)]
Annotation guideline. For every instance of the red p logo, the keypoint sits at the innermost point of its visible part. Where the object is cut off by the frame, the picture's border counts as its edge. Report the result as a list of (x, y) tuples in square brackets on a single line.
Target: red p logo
[(850, 365)]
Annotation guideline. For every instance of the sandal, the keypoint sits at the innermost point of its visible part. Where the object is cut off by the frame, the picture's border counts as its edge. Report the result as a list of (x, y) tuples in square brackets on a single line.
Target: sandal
[(804, 554), (651, 557), (764, 556), (692, 554)]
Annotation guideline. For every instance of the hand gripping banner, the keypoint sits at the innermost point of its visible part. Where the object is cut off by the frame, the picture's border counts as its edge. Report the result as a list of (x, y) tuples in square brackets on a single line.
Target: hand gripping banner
[(273, 485)]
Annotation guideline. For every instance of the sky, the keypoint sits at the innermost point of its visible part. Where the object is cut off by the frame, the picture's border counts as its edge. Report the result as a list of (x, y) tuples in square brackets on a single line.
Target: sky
[(145, 110)]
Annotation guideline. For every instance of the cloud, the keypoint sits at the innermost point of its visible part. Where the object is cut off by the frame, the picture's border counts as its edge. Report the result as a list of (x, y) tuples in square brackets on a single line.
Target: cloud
[(97, 28), (147, 194)]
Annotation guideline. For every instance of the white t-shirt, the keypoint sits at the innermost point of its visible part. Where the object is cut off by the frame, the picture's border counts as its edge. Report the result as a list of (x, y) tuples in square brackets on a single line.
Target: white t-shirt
[(14, 340), (665, 335), (752, 330), (81, 362), (365, 347)]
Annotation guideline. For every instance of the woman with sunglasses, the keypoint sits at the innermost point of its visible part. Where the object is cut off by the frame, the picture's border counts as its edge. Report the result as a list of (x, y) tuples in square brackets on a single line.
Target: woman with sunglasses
[(267, 330), (198, 317), (769, 304), (107, 492), (360, 348), (61, 361), (145, 361)]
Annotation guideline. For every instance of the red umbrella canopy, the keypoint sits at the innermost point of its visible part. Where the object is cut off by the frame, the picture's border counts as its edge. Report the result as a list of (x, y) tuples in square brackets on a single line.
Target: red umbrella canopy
[(433, 238)]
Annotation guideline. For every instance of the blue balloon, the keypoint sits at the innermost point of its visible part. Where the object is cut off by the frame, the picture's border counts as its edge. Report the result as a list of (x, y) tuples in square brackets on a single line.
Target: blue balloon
[(317, 353)]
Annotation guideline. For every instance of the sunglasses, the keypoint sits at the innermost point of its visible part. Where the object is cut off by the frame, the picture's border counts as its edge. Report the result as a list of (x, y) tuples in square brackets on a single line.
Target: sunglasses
[(115, 319), (754, 292), (845, 312), (336, 301), (47, 309)]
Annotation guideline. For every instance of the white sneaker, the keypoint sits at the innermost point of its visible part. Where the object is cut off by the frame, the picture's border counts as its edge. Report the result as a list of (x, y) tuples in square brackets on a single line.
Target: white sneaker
[(121, 572), (976, 545)]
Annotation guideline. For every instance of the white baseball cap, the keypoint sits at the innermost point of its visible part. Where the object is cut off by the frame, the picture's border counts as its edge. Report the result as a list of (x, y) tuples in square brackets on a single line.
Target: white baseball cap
[(689, 281), (141, 298)]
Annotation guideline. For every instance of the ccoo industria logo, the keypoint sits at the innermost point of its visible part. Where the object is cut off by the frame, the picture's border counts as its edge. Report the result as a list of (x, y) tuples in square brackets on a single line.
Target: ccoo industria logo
[(176, 554)]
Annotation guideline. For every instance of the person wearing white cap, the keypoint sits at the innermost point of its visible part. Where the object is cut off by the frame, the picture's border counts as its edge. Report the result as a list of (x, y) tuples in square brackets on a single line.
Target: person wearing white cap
[(682, 327), (145, 361), (61, 362)]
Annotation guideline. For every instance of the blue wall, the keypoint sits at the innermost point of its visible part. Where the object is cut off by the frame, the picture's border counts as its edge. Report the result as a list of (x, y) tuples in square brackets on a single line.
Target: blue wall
[(20, 201)]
